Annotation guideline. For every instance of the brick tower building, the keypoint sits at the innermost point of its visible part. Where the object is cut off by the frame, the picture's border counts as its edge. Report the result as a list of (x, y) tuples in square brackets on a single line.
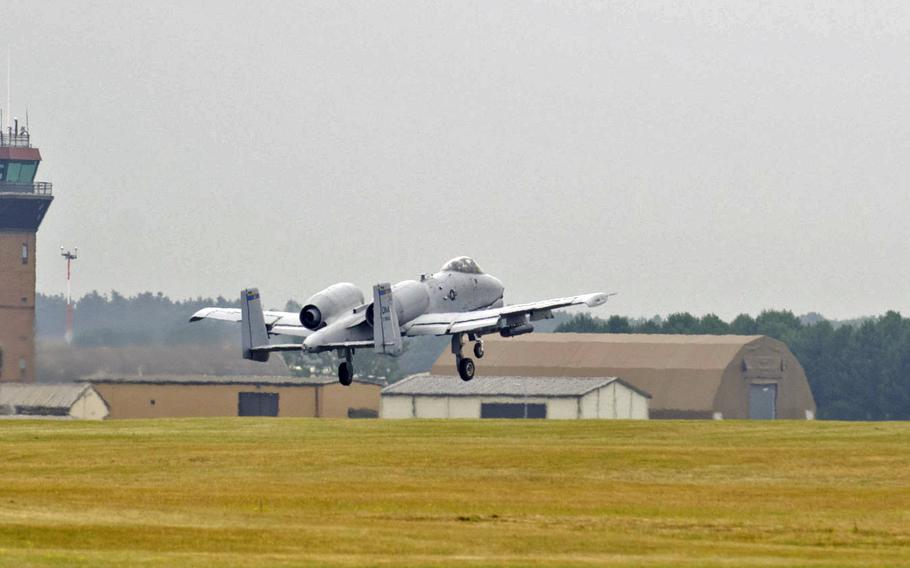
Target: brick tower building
[(23, 204)]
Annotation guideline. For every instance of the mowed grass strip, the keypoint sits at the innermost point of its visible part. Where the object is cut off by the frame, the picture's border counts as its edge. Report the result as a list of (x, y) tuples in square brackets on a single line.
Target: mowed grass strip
[(287, 492)]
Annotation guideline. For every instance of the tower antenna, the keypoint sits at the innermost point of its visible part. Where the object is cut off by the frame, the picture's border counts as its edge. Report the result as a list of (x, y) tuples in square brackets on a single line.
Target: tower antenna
[(9, 74)]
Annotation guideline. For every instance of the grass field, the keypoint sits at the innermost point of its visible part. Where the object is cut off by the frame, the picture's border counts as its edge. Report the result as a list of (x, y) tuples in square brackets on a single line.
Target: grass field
[(275, 492)]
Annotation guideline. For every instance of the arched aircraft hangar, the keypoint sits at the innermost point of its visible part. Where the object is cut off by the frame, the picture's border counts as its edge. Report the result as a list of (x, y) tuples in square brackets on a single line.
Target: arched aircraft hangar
[(688, 376)]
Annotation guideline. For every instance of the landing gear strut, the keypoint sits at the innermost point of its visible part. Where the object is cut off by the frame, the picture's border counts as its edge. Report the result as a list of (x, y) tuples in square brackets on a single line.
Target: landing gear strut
[(346, 368), (465, 364)]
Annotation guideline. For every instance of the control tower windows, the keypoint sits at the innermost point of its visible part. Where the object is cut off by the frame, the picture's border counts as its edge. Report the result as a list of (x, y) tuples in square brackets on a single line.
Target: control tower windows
[(18, 172), (27, 173), (12, 171)]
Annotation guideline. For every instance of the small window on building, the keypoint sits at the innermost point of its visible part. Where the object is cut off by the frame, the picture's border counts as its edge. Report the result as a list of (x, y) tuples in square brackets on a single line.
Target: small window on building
[(24, 253), (22, 364), (3, 171)]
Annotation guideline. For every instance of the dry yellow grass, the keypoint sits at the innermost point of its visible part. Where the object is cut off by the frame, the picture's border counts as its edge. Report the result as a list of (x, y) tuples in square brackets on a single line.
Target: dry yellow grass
[(267, 492)]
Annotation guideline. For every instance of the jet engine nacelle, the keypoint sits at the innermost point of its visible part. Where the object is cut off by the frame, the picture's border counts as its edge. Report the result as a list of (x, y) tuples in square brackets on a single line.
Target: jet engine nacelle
[(325, 306), (411, 299)]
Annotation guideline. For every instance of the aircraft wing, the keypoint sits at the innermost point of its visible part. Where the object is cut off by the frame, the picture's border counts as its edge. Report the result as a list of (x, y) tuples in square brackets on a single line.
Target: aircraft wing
[(495, 319), (277, 323)]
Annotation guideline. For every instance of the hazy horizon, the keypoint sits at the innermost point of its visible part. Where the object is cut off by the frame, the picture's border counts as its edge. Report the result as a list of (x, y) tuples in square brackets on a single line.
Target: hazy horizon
[(719, 158)]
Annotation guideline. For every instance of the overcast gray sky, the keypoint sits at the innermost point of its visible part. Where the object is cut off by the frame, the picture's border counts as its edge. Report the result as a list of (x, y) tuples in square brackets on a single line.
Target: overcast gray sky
[(713, 157)]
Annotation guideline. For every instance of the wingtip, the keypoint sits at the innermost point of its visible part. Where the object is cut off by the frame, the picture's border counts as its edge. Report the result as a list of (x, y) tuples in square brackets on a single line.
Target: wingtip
[(200, 315), (597, 299)]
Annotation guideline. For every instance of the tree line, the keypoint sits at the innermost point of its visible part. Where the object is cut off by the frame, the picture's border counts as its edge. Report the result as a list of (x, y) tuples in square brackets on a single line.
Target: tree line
[(116, 320), (858, 370)]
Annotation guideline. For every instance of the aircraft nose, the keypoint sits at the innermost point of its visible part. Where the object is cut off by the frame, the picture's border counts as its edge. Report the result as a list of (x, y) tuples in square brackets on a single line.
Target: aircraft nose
[(498, 286)]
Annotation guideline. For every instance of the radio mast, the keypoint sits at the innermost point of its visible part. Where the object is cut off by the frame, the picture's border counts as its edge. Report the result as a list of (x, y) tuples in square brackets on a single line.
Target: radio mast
[(70, 257)]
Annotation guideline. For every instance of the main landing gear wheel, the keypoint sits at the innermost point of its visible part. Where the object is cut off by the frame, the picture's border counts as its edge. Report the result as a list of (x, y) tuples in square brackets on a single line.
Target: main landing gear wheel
[(466, 369), (478, 350), (346, 373)]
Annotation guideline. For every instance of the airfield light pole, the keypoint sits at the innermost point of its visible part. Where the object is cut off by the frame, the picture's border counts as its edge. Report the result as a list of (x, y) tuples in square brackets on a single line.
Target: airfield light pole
[(70, 257), (525, 384)]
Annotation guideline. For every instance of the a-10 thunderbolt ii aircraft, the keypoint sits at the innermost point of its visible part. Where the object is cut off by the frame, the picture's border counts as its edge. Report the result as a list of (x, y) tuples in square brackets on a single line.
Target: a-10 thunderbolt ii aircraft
[(459, 300)]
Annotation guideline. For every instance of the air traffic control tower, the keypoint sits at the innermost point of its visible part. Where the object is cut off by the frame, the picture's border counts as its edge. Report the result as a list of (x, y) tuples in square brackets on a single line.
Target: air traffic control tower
[(23, 204)]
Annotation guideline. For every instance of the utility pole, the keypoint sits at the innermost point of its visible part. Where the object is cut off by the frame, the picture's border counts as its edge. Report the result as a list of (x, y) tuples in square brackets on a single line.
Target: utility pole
[(70, 257)]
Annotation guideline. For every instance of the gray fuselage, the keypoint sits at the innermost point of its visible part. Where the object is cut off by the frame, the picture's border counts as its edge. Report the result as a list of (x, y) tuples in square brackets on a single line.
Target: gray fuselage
[(459, 287)]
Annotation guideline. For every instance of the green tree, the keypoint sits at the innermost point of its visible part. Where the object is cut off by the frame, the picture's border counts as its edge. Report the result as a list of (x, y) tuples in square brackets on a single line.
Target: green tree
[(582, 323), (743, 324), (680, 323), (648, 326), (713, 325), (619, 324), (781, 325)]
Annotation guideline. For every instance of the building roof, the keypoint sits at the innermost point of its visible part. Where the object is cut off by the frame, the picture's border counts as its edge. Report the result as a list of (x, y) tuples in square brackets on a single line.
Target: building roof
[(221, 380), (59, 395), (444, 385), (19, 153)]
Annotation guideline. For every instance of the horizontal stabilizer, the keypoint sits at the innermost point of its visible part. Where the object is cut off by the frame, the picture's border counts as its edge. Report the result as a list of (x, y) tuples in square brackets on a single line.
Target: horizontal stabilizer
[(276, 347)]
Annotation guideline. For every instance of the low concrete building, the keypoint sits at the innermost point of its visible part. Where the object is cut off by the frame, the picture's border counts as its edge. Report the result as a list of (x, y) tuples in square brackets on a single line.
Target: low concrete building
[(689, 376), (61, 400), (433, 396), (191, 396)]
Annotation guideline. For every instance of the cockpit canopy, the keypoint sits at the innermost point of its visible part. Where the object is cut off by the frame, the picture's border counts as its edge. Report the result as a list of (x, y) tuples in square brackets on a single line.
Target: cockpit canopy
[(462, 264)]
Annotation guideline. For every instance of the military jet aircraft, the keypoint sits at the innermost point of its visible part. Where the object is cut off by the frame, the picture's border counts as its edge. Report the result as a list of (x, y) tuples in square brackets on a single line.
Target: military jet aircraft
[(460, 300)]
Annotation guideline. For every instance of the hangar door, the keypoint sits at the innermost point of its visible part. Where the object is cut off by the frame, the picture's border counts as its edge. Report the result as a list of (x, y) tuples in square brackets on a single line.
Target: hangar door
[(762, 402), (257, 404), (512, 410)]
